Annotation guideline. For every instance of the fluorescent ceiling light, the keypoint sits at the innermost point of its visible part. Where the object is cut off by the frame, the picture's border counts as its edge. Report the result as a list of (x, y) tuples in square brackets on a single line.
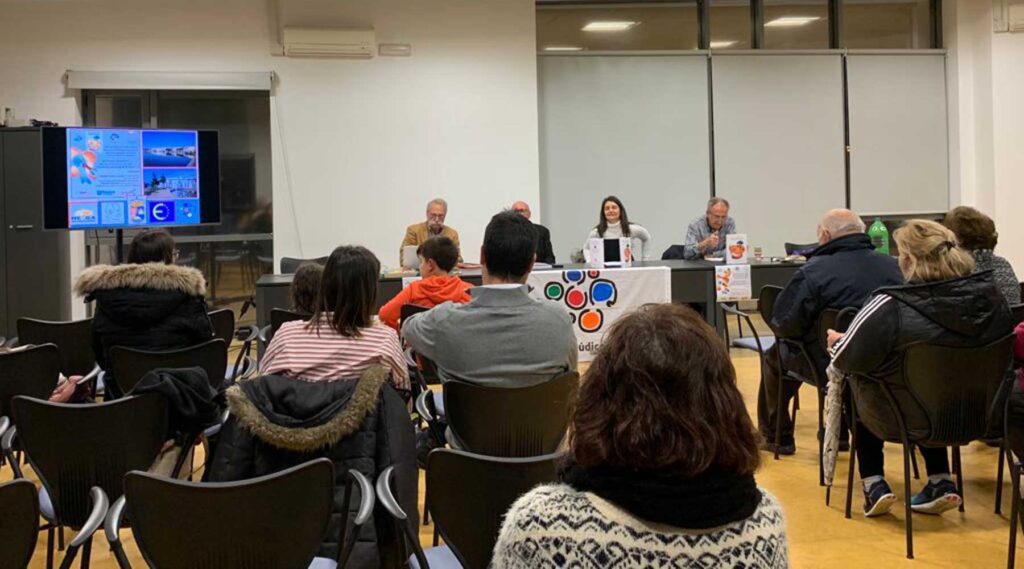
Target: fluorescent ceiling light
[(563, 48), (609, 26), (721, 44), (790, 21)]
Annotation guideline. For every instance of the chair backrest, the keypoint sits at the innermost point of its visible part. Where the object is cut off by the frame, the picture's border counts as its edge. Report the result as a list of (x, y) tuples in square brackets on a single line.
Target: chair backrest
[(73, 340), (30, 371), (75, 447), (470, 494), (800, 249), (956, 386), (766, 302), (510, 422), (826, 321), (129, 364), (279, 316), (845, 318), (410, 309), (273, 521), (290, 264), (1018, 313), (19, 522), (223, 321)]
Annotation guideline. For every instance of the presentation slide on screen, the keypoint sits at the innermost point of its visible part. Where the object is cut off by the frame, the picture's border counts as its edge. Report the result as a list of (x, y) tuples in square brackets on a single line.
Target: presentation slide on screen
[(123, 178)]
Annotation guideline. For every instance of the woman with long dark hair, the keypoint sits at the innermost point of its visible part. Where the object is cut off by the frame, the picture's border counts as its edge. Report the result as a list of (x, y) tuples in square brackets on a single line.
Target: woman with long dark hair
[(613, 223), (660, 464), (343, 338)]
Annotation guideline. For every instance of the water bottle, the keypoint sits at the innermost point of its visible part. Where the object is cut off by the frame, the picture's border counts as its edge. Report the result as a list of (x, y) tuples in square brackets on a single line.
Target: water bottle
[(879, 235)]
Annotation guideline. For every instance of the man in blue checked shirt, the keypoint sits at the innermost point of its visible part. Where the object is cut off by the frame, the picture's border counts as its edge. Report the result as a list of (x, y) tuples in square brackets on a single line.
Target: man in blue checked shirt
[(705, 237)]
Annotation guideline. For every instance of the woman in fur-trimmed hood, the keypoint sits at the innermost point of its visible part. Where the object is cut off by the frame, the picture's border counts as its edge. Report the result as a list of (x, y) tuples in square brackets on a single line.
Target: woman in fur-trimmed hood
[(148, 303), (278, 422)]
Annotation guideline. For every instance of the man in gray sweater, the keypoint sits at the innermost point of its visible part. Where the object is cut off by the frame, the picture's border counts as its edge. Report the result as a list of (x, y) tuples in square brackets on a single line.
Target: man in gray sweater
[(503, 337)]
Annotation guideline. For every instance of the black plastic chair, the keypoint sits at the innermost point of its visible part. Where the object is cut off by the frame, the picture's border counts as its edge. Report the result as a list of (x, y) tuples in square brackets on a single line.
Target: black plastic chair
[(277, 520), (290, 264), (955, 387), (129, 365), (73, 448), (73, 340), (223, 321), (766, 305), (1018, 313), (510, 422), (19, 529), (470, 495), (31, 371)]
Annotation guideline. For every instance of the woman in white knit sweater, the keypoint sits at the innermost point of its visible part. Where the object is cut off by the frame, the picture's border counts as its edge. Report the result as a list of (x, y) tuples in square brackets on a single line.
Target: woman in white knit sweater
[(614, 224), (660, 469)]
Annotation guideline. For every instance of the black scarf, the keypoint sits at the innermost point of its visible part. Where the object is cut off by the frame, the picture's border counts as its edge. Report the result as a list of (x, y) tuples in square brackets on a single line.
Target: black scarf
[(710, 499)]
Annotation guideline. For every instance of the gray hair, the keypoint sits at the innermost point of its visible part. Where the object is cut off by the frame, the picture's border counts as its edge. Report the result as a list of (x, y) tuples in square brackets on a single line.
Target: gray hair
[(839, 222), (716, 200), (438, 201)]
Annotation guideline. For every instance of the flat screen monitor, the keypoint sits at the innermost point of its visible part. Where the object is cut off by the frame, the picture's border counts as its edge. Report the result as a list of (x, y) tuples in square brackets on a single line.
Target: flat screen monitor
[(118, 178)]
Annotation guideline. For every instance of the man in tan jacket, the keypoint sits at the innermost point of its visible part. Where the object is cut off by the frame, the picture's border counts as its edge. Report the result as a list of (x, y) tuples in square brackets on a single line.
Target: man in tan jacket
[(417, 233)]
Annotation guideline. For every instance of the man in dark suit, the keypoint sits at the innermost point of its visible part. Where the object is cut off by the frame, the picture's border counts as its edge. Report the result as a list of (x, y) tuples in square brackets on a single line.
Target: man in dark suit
[(545, 254)]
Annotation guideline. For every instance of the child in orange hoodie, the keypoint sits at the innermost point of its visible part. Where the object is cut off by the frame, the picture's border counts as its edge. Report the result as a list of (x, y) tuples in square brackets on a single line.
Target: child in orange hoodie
[(438, 256)]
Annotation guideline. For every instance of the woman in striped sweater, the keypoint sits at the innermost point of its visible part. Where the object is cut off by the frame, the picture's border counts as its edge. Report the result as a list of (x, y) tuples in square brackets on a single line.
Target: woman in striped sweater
[(343, 338)]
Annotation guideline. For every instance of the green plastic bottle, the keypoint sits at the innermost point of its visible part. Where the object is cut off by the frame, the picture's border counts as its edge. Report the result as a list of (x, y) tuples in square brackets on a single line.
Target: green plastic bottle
[(879, 235)]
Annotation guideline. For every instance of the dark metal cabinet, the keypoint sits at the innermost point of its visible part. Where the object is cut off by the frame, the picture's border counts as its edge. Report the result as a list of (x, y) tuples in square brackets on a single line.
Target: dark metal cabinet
[(34, 264)]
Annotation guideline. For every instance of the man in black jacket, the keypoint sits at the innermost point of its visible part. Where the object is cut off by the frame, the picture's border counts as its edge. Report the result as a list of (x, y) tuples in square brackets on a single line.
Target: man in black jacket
[(545, 254), (842, 272)]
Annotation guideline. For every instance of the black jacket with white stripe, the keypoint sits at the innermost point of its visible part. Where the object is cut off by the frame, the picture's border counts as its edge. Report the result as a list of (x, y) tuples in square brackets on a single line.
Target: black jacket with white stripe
[(963, 312)]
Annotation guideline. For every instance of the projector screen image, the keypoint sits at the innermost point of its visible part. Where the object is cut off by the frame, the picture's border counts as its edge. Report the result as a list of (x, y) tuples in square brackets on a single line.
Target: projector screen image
[(130, 178)]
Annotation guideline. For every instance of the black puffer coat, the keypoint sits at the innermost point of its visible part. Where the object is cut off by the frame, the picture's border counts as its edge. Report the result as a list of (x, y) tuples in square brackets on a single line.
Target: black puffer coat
[(839, 274), (150, 306), (963, 312), (278, 422)]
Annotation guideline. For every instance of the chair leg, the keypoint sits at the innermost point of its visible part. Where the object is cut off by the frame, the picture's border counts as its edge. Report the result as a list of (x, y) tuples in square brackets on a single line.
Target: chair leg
[(999, 478), (906, 502), (1014, 509), (959, 475), (426, 506), (60, 538), (437, 536), (49, 548), (86, 553), (779, 409), (853, 458)]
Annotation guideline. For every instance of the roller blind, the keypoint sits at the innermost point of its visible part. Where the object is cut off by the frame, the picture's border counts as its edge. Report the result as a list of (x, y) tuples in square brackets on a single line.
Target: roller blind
[(631, 126), (779, 143), (899, 153)]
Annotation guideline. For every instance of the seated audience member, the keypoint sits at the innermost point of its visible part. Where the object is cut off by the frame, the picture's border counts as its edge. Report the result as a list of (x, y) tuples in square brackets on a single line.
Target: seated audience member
[(278, 422), (1015, 421), (705, 236), (148, 303), (503, 337), (841, 272), (437, 258), (545, 254), (342, 339), (613, 223), (661, 461), (943, 303), (434, 226), (305, 287), (976, 232)]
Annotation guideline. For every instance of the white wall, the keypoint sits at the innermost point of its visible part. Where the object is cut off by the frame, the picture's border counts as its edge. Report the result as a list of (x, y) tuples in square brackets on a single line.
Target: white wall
[(359, 146), (986, 86)]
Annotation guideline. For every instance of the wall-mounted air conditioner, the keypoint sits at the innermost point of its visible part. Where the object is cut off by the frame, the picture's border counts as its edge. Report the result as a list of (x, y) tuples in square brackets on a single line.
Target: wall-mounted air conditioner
[(311, 42)]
